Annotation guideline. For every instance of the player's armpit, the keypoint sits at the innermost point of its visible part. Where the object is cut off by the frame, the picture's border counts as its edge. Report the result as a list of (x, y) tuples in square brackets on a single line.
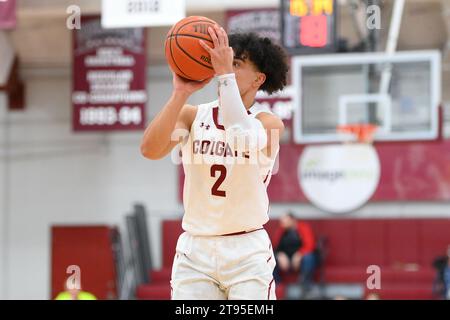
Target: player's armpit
[(274, 129), (263, 134), (245, 139)]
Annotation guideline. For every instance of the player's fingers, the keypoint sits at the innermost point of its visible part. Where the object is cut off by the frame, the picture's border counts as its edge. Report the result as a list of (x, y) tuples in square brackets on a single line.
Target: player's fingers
[(205, 46), (213, 35), (219, 35), (200, 84), (206, 81), (231, 52), (225, 37)]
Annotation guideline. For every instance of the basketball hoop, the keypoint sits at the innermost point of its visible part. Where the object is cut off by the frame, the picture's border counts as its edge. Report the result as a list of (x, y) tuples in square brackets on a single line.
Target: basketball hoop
[(364, 132)]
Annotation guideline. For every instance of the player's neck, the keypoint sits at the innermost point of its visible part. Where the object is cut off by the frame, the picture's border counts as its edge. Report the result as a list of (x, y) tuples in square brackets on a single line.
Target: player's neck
[(248, 99)]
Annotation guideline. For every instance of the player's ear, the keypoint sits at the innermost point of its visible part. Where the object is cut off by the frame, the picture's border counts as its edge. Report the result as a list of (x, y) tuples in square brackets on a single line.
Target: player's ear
[(259, 79)]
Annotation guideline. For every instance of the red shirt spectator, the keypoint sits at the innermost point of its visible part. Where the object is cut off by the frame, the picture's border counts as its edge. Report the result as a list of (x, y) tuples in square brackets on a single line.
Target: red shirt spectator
[(305, 233), (294, 246)]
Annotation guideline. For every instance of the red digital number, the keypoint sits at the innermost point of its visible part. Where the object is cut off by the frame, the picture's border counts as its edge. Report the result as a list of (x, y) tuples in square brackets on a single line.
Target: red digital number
[(314, 31)]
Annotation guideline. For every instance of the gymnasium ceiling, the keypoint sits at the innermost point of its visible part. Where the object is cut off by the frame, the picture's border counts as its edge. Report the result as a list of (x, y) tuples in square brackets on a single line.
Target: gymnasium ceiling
[(43, 41)]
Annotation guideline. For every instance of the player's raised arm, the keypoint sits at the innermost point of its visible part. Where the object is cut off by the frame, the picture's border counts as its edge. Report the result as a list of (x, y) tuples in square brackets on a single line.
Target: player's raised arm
[(254, 131), (176, 114)]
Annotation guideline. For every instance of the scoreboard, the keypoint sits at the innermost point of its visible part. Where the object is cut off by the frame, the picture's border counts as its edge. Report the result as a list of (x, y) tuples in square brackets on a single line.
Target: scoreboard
[(309, 26)]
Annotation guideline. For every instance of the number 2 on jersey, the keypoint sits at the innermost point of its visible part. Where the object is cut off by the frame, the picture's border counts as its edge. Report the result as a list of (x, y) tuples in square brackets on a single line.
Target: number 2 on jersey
[(222, 170)]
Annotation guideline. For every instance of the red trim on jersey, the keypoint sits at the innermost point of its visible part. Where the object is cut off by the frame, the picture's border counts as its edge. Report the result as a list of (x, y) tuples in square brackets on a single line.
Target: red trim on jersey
[(265, 179), (268, 291), (215, 112), (240, 232)]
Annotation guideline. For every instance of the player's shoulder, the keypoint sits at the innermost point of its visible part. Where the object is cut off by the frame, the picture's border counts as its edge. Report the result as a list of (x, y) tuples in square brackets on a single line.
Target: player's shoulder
[(190, 112), (189, 108), (204, 109), (264, 114), (209, 105), (258, 108), (202, 106)]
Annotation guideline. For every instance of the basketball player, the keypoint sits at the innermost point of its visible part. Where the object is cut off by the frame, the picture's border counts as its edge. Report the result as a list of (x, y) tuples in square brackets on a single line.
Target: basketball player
[(224, 253)]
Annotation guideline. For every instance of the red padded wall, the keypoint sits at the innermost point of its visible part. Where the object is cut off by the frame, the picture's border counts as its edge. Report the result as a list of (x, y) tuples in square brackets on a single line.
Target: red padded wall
[(90, 248), (369, 242), (340, 240), (171, 230), (434, 238), (403, 241), (359, 242)]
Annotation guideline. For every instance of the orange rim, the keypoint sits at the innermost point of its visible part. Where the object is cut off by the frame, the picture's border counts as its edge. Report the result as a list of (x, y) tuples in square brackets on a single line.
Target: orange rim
[(364, 132)]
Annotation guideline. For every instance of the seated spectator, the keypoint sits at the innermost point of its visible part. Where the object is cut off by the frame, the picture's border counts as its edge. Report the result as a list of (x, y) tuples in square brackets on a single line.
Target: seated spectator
[(74, 294), (294, 248), (373, 296), (441, 285)]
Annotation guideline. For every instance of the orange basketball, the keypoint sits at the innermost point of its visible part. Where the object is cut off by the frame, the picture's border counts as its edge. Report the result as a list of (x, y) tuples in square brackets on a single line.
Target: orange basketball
[(184, 53)]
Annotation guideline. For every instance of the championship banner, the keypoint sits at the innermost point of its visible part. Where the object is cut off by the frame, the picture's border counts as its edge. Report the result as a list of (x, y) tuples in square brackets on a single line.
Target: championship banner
[(263, 22), (141, 13), (109, 78), (7, 14)]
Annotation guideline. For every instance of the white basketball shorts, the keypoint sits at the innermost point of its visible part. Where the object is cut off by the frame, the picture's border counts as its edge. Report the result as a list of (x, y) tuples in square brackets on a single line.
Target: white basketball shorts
[(230, 267)]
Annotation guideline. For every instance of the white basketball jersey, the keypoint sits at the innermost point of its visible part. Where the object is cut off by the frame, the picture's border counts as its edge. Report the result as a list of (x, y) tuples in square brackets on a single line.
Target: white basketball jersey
[(224, 190)]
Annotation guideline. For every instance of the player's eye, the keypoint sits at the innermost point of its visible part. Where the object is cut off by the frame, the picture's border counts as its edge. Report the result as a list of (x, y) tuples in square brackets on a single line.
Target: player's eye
[(236, 63)]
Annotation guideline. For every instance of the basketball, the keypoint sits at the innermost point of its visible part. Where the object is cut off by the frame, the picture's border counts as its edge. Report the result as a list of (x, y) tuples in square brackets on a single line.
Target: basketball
[(185, 55)]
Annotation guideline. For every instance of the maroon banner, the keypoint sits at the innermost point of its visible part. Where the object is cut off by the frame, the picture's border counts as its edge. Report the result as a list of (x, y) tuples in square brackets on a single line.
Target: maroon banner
[(109, 78), (7, 14)]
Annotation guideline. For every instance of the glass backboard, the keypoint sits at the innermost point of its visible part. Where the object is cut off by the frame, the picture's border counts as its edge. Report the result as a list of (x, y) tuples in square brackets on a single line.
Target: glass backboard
[(400, 93)]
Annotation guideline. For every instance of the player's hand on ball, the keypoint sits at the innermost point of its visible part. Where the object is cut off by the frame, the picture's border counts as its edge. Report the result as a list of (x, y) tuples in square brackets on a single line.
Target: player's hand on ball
[(185, 86), (222, 54)]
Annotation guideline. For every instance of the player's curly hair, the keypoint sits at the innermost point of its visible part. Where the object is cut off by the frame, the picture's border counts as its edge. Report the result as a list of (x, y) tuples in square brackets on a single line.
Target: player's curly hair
[(267, 56)]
